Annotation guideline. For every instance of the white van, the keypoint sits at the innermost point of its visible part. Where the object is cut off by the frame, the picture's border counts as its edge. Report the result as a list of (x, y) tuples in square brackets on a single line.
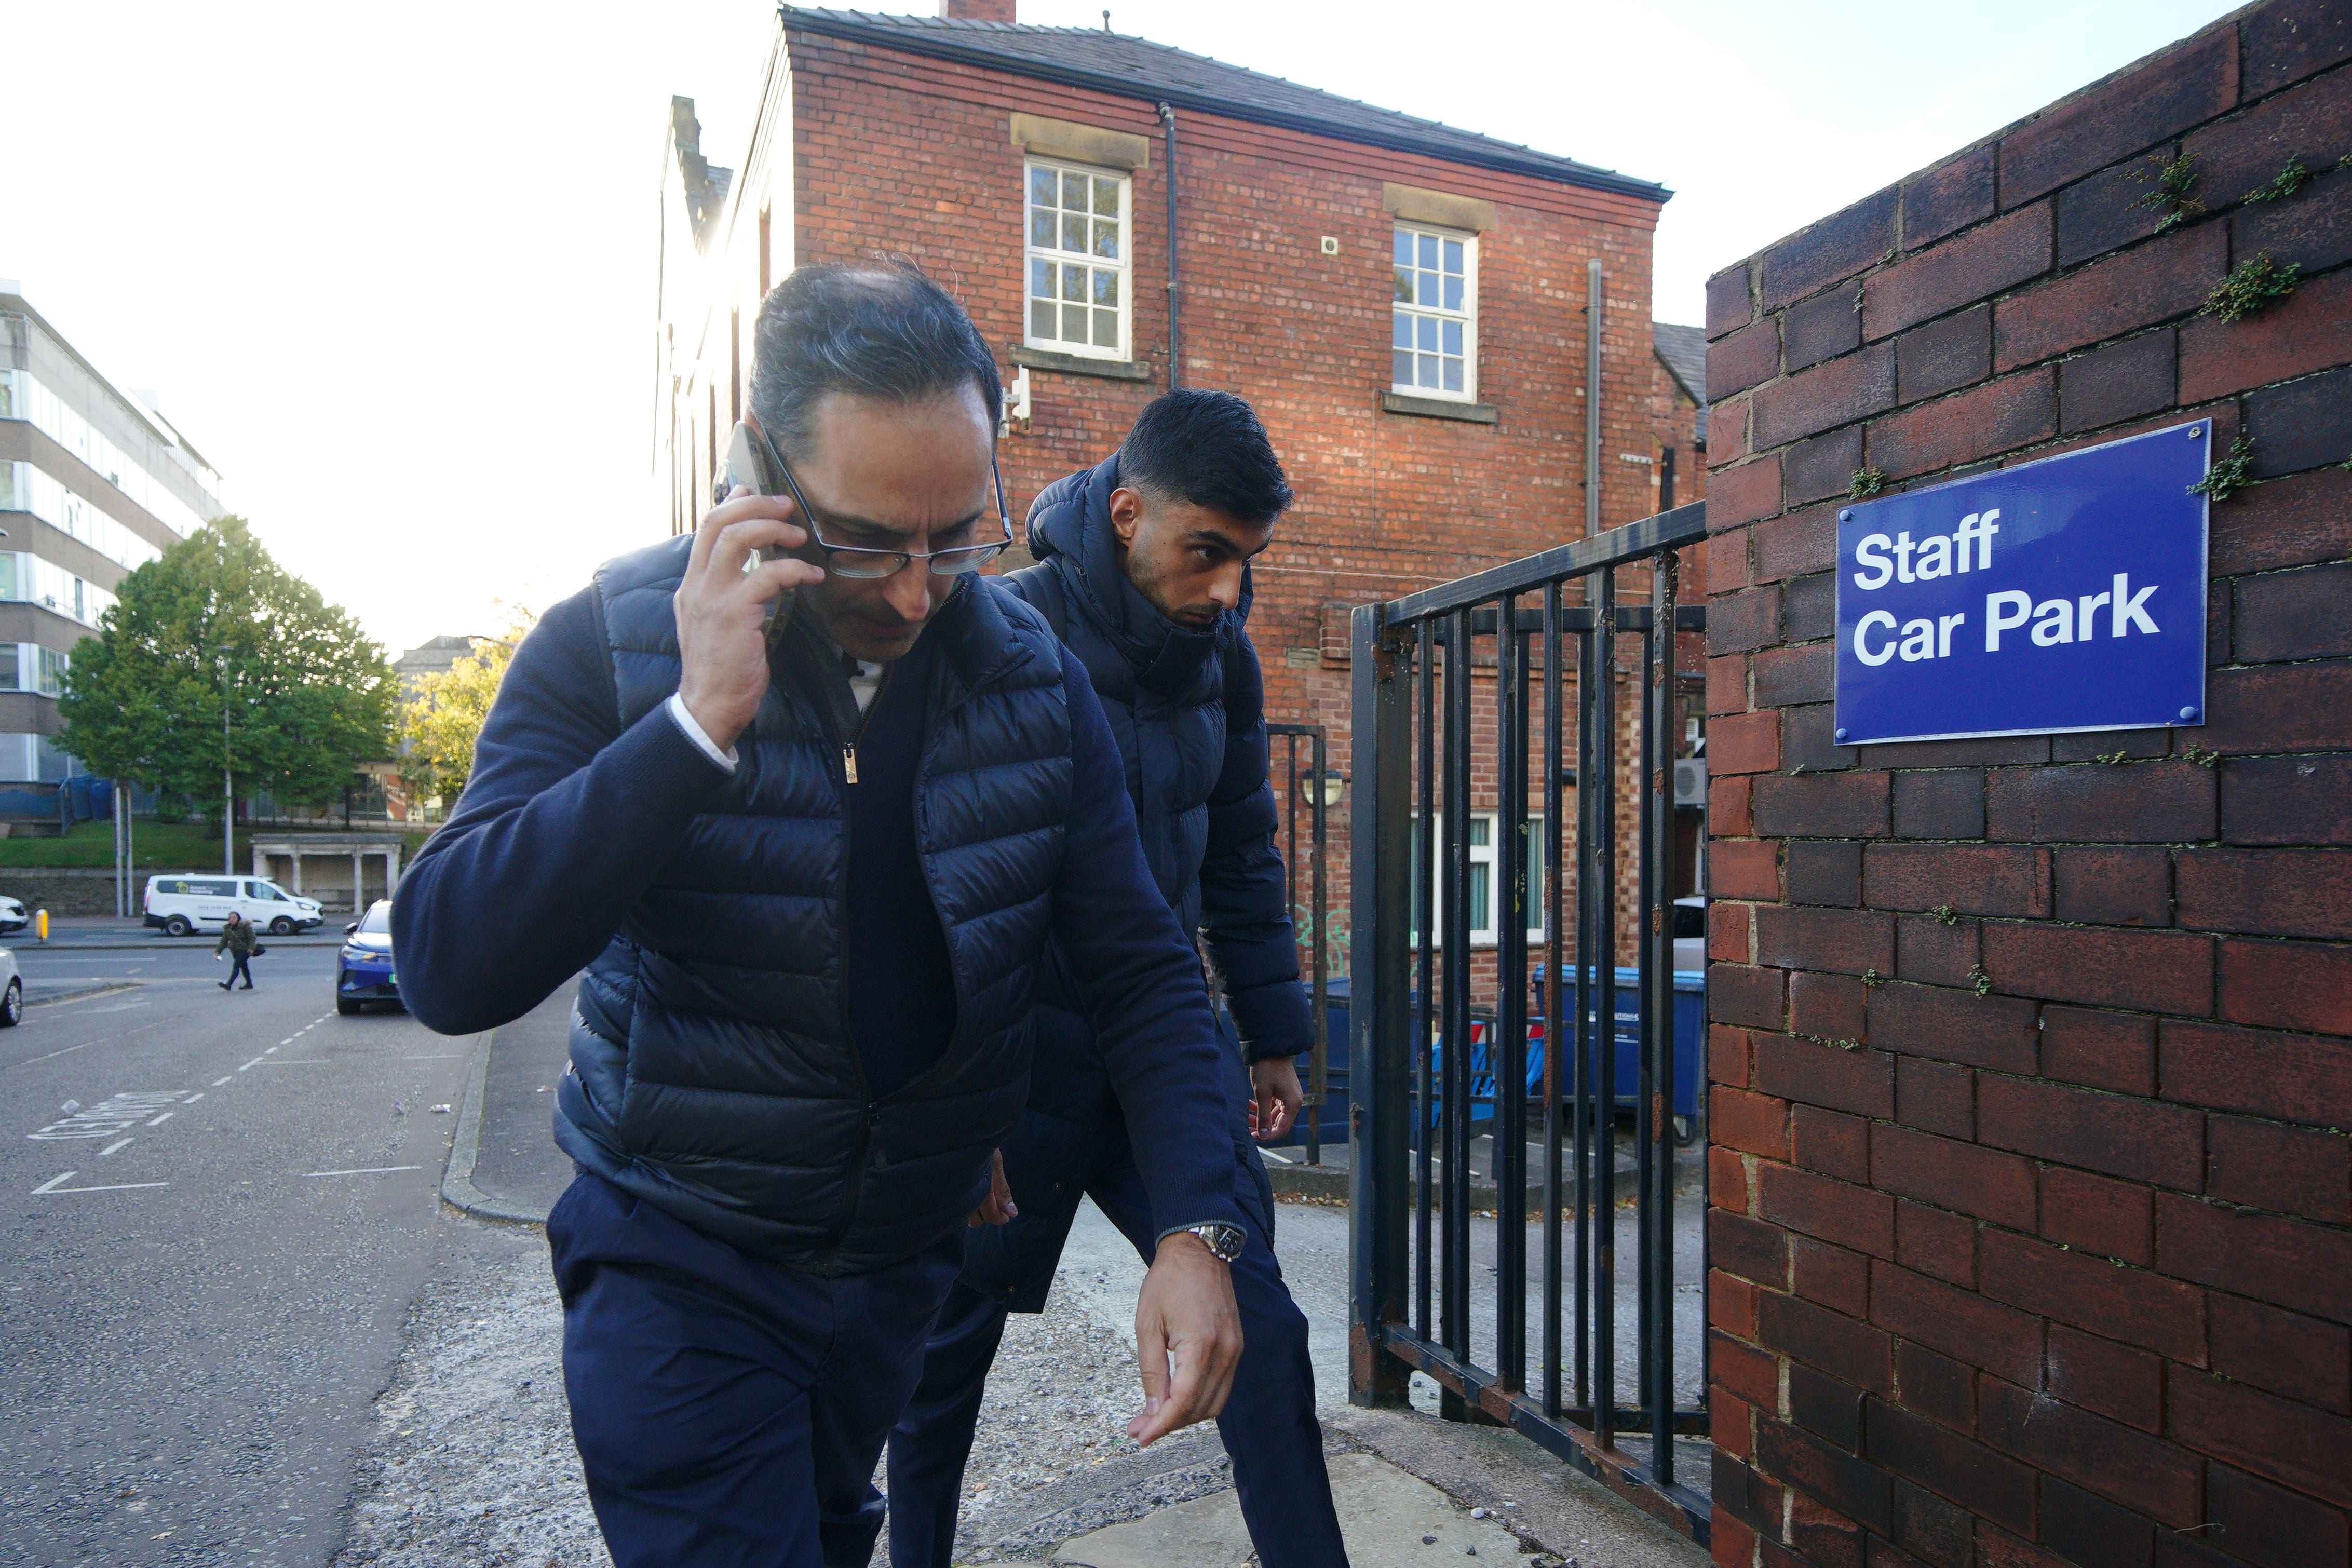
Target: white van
[(180, 903)]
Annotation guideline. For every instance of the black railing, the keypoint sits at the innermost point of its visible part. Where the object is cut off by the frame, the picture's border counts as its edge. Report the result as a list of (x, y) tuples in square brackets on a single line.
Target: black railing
[(1416, 1090), (1312, 923)]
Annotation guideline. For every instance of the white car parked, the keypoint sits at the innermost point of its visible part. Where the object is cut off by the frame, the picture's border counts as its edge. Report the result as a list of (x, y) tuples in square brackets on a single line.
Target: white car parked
[(13, 918), (180, 903), (11, 998)]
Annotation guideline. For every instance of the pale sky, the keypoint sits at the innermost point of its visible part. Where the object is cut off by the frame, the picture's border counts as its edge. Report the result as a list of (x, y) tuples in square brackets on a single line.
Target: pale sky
[(390, 267)]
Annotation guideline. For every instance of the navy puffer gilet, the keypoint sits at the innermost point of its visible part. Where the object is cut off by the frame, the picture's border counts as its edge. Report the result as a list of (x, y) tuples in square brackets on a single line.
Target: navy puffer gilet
[(715, 1075)]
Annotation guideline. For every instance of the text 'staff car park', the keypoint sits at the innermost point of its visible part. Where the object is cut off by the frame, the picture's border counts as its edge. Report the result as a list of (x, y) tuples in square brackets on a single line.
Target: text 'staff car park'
[(365, 972), (178, 904)]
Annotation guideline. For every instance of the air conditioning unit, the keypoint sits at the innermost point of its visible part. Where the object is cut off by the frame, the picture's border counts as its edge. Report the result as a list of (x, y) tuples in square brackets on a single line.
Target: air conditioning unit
[(1690, 781)]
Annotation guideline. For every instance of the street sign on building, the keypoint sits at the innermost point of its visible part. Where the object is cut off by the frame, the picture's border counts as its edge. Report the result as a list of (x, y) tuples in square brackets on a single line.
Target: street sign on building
[(2067, 594)]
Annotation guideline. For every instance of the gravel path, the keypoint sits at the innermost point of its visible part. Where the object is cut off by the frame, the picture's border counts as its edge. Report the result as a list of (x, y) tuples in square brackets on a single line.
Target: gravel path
[(471, 1460)]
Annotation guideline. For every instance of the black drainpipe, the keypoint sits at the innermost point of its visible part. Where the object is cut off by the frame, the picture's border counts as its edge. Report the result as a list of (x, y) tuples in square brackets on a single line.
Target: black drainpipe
[(1175, 338)]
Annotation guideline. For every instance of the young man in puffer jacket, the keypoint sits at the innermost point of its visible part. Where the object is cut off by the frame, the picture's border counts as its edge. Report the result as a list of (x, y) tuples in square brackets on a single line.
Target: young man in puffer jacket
[(1143, 574)]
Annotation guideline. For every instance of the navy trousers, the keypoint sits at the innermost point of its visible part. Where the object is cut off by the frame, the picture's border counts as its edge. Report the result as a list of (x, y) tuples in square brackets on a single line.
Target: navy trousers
[(1268, 1424), (729, 1410)]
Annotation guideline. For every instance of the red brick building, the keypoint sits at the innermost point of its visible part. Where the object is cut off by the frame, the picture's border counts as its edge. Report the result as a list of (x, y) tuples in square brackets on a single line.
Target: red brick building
[(2032, 1056), (1406, 305)]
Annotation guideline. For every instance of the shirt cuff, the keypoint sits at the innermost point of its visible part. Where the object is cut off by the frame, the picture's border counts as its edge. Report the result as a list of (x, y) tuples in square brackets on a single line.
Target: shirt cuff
[(694, 732)]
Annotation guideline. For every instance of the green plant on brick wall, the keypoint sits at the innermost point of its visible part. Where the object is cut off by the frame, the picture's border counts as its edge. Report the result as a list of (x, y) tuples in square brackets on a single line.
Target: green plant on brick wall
[(2283, 185), (1983, 981), (2251, 287), (1865, 483), (2172, 181), (1945, 914), (2200, 756), (2227, 475)]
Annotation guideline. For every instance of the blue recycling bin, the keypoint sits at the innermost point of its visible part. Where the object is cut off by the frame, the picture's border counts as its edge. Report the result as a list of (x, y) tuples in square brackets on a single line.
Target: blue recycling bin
[(1689, 1036)]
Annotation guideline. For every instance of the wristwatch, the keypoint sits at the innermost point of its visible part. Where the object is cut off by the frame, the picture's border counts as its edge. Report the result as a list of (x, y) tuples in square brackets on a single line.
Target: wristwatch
[(1225, 1241)]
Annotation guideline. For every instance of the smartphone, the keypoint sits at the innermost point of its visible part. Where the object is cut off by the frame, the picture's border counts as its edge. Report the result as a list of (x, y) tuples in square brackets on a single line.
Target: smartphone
[(747, 465)]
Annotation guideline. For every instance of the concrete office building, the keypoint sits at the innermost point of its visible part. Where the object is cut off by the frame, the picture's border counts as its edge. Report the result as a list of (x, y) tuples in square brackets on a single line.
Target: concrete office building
[(94, 483)]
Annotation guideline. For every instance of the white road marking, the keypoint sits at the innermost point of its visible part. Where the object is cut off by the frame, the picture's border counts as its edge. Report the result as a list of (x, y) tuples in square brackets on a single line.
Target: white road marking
[(364, 1171), (117, 1113), (53, 1184), (255, 1062), (111, 1148), (193, 1098), (295, 1062), (217, 1082), (28, 1061), (163, 1119), (51, 1187), (273, 1050)]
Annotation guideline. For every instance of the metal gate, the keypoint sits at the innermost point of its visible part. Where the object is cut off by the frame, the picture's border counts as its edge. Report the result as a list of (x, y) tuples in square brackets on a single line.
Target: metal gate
[(1540, 628)]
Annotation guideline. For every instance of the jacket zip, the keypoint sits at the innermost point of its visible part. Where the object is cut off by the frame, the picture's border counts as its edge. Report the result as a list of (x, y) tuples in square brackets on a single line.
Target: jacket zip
[(860, 1160), (872, 1112), (866, 717)]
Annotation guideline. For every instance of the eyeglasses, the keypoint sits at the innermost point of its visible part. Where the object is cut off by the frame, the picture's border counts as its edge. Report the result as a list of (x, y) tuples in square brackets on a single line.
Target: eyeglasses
[(856, 561)]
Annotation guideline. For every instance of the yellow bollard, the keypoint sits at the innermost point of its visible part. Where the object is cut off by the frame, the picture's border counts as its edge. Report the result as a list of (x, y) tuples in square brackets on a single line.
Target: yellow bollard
[(41, 923)]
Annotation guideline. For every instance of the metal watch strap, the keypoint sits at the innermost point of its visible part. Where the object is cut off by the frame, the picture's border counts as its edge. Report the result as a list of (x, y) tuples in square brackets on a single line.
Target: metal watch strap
[(1224, 1241)]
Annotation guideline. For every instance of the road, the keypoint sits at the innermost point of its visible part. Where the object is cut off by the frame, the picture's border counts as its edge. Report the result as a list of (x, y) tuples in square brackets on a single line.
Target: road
[(209, 1263)]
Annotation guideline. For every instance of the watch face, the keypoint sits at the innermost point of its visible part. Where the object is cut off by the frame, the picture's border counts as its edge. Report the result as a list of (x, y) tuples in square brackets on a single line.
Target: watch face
[(1225, 1240)]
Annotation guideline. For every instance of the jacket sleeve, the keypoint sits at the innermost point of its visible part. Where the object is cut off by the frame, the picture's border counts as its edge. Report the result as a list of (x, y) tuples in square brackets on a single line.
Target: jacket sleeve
[(1141, 983), (1243, 908), (564, 825)]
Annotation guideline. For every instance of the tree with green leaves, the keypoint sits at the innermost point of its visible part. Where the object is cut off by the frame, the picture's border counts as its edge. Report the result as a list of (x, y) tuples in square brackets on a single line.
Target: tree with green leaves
[(215, 661), (442, 719)]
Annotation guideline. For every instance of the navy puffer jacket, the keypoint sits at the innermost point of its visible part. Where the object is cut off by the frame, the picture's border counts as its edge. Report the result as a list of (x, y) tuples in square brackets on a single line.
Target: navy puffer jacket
[(713, 1072), (1188, 709)]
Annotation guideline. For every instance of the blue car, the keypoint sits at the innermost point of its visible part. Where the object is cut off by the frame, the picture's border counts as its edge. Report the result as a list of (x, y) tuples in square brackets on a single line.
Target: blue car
[(365, 972)]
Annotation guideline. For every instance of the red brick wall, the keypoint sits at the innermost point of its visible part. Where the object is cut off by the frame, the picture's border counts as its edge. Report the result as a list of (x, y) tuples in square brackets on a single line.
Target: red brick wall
[(2032, 1067), (893, 152)]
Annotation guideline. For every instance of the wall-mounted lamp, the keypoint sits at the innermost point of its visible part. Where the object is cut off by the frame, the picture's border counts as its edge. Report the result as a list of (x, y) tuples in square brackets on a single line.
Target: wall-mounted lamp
[(1332, 782)]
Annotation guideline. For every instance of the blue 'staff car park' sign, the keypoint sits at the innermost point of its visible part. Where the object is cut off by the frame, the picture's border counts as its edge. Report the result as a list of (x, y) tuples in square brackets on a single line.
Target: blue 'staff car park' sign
[(2064, 594)]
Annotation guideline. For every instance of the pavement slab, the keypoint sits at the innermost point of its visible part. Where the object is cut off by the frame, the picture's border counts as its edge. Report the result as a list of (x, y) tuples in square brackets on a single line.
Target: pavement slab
[(1389, 1518)]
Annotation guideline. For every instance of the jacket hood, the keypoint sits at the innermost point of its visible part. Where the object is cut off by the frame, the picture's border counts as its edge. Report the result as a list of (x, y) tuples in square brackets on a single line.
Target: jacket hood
[(1069, 525)]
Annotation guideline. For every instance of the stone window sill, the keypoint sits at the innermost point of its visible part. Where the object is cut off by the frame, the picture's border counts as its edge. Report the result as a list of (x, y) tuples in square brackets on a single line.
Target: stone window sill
[(1079, 364), (1439, 408)]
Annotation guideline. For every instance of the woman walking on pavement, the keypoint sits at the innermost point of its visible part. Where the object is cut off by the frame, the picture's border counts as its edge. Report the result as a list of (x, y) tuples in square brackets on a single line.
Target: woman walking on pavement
[(236, 939)]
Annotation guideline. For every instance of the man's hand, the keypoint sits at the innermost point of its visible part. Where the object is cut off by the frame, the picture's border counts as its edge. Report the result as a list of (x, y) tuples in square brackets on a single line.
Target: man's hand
[(1276, 1097), (722, 609), (997, 1207), (1184, 1315)]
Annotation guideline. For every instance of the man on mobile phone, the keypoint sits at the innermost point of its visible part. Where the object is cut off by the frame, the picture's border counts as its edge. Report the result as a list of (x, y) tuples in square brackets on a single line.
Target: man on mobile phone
[(1144, 575), (810, 800)]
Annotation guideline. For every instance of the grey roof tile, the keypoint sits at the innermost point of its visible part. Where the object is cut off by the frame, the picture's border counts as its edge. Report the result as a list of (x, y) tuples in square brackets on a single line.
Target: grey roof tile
[(1117, 62), (1682, 350)]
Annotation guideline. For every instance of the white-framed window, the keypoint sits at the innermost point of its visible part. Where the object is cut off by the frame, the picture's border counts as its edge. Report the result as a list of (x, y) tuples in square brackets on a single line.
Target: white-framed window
[(1483, 900), (1077, 294), (1433, 346)]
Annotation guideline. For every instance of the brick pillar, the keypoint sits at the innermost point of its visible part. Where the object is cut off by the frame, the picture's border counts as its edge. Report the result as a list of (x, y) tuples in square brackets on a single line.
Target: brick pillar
[(2031, 1192)]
